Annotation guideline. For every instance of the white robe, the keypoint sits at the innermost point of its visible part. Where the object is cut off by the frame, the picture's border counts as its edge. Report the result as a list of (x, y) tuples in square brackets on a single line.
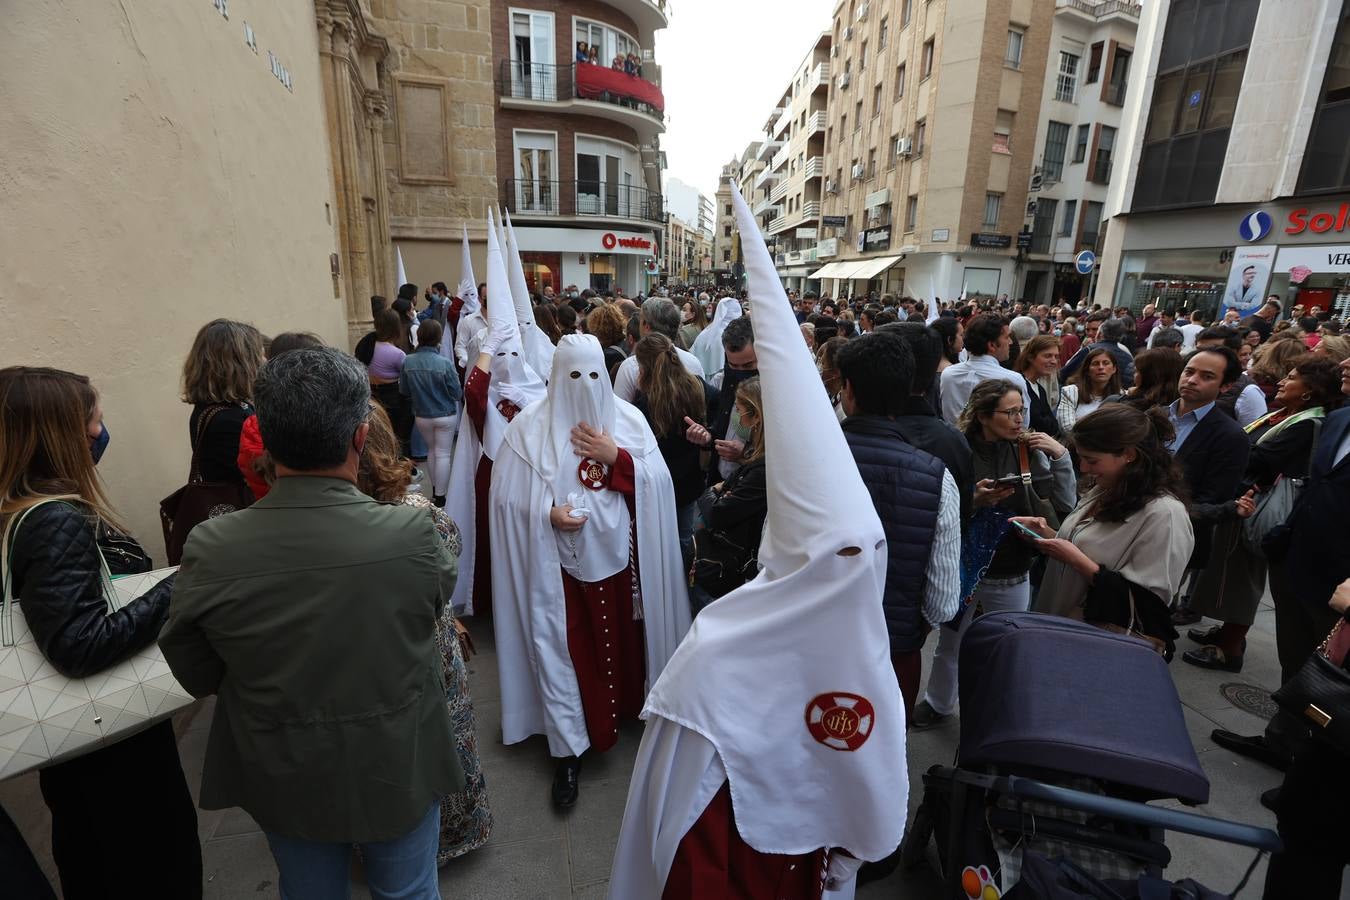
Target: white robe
[(679, 772), (540, 694)]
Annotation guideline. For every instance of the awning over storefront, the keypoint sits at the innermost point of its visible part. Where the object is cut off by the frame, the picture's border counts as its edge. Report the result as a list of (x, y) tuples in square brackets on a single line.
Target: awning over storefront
[(860, 269), (871, 268)]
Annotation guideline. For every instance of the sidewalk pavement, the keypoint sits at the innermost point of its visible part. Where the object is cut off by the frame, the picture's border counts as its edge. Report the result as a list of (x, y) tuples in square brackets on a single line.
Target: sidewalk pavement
[(537, 853)]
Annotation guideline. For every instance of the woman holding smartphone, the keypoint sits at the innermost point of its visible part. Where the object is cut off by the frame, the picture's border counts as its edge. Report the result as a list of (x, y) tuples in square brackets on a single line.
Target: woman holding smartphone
[(1000, 452)]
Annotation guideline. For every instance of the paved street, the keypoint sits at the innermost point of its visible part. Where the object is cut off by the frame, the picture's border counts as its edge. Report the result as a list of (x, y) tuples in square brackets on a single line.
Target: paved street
[(536, 853)]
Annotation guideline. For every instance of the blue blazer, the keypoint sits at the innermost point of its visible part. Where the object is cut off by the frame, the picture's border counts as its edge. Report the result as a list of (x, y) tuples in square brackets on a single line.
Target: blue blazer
[(1319, 531)]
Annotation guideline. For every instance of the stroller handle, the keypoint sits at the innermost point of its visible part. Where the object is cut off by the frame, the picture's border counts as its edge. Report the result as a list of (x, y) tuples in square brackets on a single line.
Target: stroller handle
[(1124, 810)]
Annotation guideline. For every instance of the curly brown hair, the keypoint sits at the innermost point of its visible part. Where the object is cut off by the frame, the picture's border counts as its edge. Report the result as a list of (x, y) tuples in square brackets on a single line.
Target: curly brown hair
[(224, 360), (1322, 375), (608, 324), (384, 473)]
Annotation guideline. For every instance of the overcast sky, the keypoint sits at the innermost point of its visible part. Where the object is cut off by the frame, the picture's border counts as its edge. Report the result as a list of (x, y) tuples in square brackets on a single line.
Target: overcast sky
[(724, 63)]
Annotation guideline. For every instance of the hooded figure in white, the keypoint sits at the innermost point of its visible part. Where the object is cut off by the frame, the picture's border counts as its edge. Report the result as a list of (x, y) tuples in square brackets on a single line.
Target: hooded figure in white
[(538, 348), (708, 345), (780, 711), (472, 322), (499, 384), (585, 616)]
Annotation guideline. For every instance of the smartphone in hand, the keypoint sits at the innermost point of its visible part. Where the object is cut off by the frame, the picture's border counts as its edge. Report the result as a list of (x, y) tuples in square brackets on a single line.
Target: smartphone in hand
[(1027, 531)]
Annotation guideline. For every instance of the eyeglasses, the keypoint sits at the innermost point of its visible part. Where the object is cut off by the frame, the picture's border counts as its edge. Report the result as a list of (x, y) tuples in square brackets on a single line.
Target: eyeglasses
[(1012, 414)]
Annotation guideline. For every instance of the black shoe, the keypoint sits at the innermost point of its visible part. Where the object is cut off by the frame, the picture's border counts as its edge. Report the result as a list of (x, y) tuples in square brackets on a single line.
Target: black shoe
[(1254, 747), (1212, 657), (1185, 616), (566, 781), (927, 717), (438, 501), (1271, 800), (1204, 636)]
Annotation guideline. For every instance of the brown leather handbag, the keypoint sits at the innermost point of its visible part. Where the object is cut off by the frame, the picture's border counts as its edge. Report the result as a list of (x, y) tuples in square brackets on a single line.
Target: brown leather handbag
[(198, 500)]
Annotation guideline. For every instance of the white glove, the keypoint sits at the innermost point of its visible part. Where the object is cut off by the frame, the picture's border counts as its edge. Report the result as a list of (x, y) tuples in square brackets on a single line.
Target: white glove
[(842, 869), (498, 333), (512, 394), (577, 501)]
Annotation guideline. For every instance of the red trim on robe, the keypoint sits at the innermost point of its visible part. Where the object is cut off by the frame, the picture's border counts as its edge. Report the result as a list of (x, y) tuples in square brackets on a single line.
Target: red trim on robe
[(713, 861), (482, 545), (607, 645), (475, 398)]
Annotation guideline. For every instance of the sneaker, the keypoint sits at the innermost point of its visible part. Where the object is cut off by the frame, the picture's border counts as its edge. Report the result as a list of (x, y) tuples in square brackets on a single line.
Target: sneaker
[(927, 717)]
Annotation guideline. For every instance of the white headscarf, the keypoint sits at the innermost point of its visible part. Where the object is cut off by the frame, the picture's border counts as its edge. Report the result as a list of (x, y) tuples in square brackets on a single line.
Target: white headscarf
[(789, 676), (708, 345)]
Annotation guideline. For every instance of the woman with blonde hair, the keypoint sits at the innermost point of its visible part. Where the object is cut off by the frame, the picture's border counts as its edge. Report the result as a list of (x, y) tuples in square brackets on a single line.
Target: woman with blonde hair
[(670, 399), (726, 545), (695, 318), (218, 381), (385, 474), (1335, 346), (62, 537)]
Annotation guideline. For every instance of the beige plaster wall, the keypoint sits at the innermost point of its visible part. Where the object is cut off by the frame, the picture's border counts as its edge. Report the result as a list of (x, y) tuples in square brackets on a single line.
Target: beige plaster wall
[(154, 174)]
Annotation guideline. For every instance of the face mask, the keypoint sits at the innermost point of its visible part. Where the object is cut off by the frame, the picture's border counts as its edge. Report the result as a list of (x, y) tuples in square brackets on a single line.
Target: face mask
[(741, 430), (99, 444)]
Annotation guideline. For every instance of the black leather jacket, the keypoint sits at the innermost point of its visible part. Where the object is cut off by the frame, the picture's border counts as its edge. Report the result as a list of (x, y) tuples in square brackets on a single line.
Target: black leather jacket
[(56, 576)]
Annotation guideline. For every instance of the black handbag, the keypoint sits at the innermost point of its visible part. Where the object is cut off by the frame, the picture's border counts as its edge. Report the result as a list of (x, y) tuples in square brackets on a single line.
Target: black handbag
[(198, 500), (1319, 693)]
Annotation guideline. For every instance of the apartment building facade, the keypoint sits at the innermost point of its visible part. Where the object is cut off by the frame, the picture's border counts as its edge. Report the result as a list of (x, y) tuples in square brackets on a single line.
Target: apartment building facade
[(1082, 107), (1235, 165), (686, 252), (578, 156), (795, 172), (929, 144)]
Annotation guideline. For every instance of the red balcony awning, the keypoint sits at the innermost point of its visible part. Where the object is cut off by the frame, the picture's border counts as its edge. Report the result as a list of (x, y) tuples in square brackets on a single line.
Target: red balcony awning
[(592, 81)]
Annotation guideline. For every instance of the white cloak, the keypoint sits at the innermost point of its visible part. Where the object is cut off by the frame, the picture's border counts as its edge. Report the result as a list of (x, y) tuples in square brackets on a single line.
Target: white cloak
[(540, 694)]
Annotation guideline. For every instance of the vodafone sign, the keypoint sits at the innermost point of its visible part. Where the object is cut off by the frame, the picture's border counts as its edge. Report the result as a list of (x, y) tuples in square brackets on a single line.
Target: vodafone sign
[(610, 241)]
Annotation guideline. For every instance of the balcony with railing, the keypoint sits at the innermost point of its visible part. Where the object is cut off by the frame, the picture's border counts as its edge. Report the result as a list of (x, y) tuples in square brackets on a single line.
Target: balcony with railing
[(780, 159), (595, 90), (524, 198), (649, 15), (815, 167), (779, 190), (767, 148), (1103, 9), (816, 123), (820, 77)]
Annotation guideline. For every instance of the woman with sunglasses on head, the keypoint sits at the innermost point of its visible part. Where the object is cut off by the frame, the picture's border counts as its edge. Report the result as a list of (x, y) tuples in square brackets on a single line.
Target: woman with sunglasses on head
[(1020, 474)]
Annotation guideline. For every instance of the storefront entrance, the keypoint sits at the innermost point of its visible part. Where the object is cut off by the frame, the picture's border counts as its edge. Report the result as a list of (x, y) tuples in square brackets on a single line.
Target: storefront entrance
[(542, 269)]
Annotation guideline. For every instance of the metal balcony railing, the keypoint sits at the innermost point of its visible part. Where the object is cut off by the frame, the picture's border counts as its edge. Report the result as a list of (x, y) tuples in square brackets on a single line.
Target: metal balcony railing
[(820, 77), (816, 122), (811, 210), (1106, 8), (557, 84), (526, 197), (815, 167)]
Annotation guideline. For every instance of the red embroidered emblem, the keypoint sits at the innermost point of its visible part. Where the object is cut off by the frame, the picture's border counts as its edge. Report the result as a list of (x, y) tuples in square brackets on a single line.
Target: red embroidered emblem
[(507, 409), (592, 474), (840, 721)]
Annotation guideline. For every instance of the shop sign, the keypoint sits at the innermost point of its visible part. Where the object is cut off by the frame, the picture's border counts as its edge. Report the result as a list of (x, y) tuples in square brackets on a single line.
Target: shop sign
[(1024, 240), (794, 257), (827, 248), (807, 234), (993, 241), (1318, 221), (1255, 226), (610, 240), (834, 221), (1300, 262), (941, 235), (876, 238)]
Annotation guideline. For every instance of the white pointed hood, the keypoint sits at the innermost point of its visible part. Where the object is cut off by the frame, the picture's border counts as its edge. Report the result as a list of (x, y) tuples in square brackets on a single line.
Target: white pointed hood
[(468, 285), (513, 379), (708, 347), (789, 676), (538, 348), (400, 273)]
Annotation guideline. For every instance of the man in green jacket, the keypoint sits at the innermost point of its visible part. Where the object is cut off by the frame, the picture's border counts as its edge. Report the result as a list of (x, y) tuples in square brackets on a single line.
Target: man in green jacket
[(311, 615)]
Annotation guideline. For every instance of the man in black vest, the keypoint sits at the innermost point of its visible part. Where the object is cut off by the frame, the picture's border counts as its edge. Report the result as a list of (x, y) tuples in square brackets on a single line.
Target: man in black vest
[(915, 496)]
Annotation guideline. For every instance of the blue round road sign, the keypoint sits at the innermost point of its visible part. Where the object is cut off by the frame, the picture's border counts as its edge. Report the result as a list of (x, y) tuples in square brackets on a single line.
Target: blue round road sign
[(1255, 226), (1085, 262)]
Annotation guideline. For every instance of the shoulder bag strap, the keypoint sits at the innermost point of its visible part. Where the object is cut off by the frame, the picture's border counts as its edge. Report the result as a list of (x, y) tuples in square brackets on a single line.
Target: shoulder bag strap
[(1024, 463), (6, 580), (195, 472)]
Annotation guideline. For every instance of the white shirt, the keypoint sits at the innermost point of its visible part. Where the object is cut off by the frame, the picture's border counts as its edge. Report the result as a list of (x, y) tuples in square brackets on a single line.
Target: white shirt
[(1188, 335), (942, 593), (1250, 406), (959, 380), (626, 380)]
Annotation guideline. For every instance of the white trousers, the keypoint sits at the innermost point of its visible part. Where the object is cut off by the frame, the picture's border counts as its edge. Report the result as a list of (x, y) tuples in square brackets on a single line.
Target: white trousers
[(942, 677), (439, 435)]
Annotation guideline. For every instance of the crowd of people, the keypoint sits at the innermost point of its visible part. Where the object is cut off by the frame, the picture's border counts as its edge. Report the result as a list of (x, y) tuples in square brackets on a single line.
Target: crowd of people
[(632, 494)]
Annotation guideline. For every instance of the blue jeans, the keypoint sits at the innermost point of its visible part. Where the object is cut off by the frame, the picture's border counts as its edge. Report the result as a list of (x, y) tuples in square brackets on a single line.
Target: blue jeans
[(401, 869)]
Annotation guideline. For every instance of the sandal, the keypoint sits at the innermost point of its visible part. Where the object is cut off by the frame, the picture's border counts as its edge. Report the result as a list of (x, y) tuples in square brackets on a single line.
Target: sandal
[(1211, 657)]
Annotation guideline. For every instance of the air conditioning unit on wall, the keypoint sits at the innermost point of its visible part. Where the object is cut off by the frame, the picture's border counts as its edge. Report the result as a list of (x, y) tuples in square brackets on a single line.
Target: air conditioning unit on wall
[(843, 80), (904, 146), (858, 170)]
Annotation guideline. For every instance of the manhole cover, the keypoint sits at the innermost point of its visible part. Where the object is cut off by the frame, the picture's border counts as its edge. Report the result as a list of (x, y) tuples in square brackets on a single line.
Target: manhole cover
[(1249, 698)]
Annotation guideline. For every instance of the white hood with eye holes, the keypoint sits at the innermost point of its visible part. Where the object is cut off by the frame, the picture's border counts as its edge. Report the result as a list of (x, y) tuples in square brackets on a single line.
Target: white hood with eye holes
[(579, 391)]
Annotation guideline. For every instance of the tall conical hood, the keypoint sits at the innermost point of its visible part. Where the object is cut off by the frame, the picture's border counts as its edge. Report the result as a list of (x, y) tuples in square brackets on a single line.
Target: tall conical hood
[(538, 348), (468, 285), (791, 672), (498, 281), (400, 273), (801, 430), (513, 378)]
